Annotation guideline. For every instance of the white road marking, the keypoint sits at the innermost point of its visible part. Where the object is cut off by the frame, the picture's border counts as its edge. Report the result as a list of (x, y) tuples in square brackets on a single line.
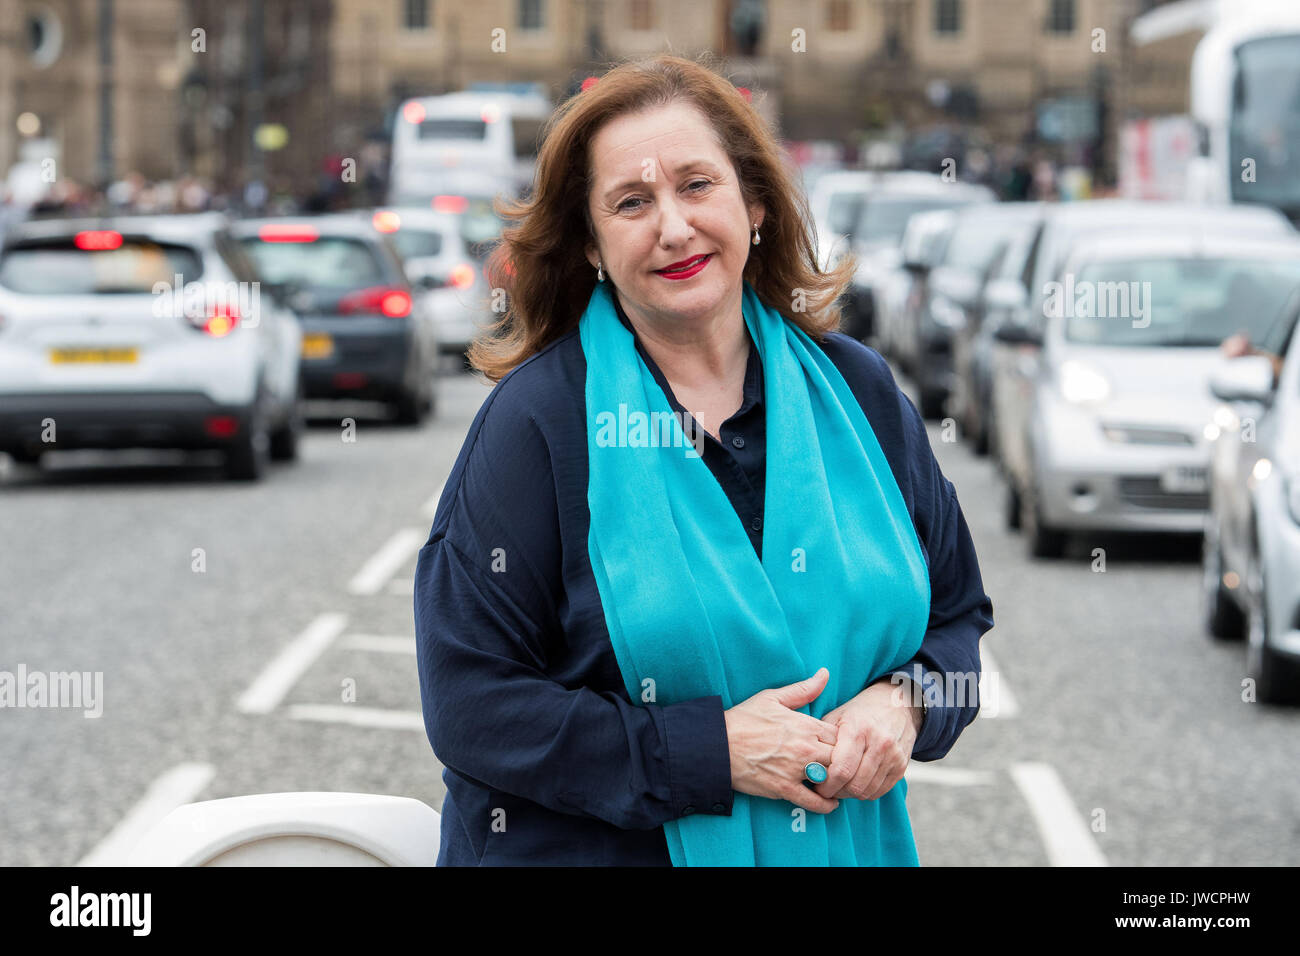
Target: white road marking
[(395, 552), (359, 716), (178, 786), (947, 776), (1066, 836), (277, 677), (430, 509), (377, 642), (996, 699)]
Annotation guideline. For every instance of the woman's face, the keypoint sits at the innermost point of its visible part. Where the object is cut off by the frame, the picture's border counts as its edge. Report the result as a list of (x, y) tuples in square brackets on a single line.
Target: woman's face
[(665, 191)]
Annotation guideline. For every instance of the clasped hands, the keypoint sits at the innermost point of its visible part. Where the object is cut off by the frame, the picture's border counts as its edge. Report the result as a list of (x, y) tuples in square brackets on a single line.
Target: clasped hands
[(865, 743)]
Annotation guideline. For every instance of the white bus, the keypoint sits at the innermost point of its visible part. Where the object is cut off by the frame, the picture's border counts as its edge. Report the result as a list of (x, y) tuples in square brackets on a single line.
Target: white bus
[(1239, 140), (476, 143)]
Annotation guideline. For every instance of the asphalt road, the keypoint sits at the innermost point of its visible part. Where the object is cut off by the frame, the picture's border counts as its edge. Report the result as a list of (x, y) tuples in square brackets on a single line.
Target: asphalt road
[(232, 623)]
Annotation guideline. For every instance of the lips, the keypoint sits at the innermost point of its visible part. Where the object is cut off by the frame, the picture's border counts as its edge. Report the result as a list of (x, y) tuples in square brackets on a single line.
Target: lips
[(683, 265)]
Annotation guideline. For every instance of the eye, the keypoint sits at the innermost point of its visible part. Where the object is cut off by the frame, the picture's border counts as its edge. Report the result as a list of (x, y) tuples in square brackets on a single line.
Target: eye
[(700, 182)]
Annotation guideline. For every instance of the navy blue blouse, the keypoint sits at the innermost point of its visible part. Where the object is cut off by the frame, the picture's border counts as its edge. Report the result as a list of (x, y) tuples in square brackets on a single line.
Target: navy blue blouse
[(547, 760)]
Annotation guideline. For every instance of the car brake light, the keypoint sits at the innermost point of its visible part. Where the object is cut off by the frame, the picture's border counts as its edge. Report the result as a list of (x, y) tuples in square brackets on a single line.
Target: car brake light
[(98, 240), (450, 203), (386, 221), (287, 232), (413, 113), (393, 303), (462, 277), (219, 322)]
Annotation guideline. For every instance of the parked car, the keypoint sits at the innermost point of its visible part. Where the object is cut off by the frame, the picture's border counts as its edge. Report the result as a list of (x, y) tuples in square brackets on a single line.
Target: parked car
[(996, 288), (833, 202), (1018, 334), (144, 331), (1106, 430), (1251, 563), (365, 335), (443, 251), (922, 245), (877, 234), (946, 303)]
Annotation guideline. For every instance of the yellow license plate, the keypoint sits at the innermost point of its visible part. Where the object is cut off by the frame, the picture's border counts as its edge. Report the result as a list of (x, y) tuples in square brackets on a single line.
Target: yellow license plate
[(95, 356), (317, 345)]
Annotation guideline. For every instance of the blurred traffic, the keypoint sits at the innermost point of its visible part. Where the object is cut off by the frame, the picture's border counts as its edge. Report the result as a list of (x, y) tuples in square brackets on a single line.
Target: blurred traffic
[(1099, 329)]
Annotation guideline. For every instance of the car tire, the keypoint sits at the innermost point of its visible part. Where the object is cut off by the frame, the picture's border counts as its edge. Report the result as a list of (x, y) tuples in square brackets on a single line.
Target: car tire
[(26, 456), (1041, 540), (248, 456), (932, 402), (409, 408), (1277, 677), (1223, 618), (285, 439)]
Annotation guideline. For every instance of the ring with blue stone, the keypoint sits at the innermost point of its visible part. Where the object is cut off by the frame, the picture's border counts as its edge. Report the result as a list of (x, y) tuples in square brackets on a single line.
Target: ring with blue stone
[(815, 772)]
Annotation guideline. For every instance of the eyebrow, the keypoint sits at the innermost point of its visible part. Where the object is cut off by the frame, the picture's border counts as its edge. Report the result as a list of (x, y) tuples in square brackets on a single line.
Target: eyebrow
[(689, 164)]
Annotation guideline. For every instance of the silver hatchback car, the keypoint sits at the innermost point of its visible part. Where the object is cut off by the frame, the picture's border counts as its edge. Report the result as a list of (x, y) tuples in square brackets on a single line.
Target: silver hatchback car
[(1110, 429), (1251, 566)]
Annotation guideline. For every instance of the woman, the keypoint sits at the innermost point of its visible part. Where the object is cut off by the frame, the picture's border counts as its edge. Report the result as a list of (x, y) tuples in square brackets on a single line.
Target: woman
[(649, 635)]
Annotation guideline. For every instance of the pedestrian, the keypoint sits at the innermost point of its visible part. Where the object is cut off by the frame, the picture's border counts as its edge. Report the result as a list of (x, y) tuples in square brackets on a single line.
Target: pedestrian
[(648, 635)]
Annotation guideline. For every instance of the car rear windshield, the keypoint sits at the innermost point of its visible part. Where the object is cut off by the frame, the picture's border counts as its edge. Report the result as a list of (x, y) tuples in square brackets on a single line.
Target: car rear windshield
[(417, 243), (1179, 302), (58, 267), (883, 219), (326, 262)]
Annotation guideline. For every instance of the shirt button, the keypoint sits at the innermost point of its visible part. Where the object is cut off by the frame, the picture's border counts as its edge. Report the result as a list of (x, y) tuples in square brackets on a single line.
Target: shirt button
[(738, 442), (757, 524), (688, 810), (719, 808)]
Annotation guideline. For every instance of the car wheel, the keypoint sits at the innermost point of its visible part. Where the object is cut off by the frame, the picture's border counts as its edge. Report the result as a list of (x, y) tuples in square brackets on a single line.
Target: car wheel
[(932, 402), (284, 440), (26, 456), (409, 408), (249, 455), (1011, 509), (1042, 541), (1277, 678), (1223, 618)]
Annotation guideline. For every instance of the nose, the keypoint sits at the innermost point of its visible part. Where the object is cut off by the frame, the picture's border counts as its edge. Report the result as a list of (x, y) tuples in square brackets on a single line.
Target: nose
[(674, 229)]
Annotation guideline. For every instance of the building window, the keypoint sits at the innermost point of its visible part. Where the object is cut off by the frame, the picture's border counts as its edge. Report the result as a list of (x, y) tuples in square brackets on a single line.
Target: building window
[(531, 15), (947, 16), (1060, 16), (838, 15), (641, 16), (415, 14)]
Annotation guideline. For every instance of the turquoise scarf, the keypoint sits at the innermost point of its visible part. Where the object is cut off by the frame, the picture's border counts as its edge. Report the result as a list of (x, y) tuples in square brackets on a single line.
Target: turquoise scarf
[(691, 610)]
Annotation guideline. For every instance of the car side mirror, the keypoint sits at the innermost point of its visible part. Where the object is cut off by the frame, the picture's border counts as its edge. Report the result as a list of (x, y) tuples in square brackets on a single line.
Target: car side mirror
[(1018, 333), (1248, 378), (1007, 294)]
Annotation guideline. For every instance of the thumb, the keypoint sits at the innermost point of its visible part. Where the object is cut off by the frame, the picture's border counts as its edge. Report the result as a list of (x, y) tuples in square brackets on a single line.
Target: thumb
[(805, 691)]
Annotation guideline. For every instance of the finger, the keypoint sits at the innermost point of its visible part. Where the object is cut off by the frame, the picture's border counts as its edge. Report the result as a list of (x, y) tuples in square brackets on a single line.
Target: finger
[(846, 756), (803, 692), (809, 799), (825, 732), (891, 771)]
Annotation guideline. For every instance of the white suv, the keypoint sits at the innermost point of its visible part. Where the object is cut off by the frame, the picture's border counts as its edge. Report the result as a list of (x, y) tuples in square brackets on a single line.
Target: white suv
[(150, 332)]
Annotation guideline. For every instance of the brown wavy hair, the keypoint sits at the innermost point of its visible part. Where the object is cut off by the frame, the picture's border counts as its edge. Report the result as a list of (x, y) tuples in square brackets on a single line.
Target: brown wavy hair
[(541, 264)]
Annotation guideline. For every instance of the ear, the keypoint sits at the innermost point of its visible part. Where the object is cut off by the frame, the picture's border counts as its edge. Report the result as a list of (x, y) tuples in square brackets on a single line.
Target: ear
[(756, 215), (592, 254)]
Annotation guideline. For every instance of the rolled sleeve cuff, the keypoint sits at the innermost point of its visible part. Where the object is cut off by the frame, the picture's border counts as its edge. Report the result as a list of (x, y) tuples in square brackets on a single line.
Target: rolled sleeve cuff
[(932, 689), (699, 760)]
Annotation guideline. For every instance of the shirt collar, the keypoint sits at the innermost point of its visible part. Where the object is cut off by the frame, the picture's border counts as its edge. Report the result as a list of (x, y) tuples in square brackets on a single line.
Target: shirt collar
[(753, 393)]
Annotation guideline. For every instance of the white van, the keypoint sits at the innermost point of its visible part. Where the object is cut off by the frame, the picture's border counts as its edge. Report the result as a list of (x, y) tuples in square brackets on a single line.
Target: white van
[(467, 143)]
